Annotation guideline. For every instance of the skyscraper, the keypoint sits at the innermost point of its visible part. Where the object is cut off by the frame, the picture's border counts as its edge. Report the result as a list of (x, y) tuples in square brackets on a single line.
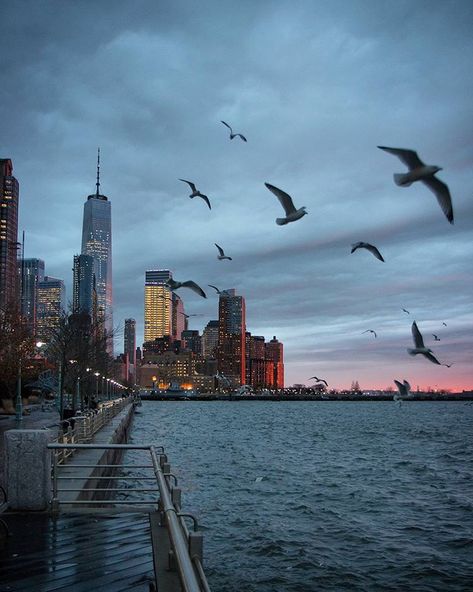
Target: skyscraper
[(210, 340), (129, 347), (179, 319), (9, 197), (231, 337), (83, 286), (97, 242), (158, 304), (51, 304), (274, 364), (33, 273)]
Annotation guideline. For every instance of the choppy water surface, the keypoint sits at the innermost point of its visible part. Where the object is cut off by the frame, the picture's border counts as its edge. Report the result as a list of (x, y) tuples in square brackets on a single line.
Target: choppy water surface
[(353, 496)]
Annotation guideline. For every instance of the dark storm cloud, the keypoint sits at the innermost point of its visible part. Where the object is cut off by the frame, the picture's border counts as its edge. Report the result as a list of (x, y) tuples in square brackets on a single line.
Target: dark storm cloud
[(315, 87)]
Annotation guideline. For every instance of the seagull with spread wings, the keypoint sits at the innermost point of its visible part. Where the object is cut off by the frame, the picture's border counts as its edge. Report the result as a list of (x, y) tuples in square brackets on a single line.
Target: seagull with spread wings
[(406, 311), (232, 135), (318, 380), (404, 389), (420, 347), (371, 248), (196, 192), (173, 285), (286, 201), (418, 171), (221, 255)]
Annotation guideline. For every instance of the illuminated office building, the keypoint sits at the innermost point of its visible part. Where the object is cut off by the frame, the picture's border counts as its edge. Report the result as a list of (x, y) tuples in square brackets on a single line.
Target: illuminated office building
[(210, 340), (9, 197), (158, 304), (231, 337), (274, 364), (97, 242), (31, 273), (50, 306)]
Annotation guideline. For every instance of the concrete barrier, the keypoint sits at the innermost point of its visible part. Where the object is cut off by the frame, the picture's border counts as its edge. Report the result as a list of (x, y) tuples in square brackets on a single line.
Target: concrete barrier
[(28, 469)]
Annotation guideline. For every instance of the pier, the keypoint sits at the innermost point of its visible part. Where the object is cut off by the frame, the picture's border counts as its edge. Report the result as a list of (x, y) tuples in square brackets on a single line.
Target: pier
[(89, 523)]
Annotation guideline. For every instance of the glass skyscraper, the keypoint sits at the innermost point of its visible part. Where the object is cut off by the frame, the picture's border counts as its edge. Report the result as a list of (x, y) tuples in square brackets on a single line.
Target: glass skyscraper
[(83, 286), (231, 337), (97, 242), (33, 273), (50, 308), (9, 196)]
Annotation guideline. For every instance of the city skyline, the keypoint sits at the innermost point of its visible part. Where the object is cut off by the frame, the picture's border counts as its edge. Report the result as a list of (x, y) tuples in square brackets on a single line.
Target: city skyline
[(312, 130)]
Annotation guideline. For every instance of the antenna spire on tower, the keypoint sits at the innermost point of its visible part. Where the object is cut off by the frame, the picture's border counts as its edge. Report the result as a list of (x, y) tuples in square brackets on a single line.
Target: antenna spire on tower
[(97, 184)]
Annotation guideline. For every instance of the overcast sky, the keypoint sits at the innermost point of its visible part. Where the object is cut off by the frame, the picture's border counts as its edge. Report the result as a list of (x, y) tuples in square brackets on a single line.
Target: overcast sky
[(315, 86)]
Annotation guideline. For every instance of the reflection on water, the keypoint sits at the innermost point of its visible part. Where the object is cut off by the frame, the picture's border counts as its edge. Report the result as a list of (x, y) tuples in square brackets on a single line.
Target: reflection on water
[(305, 496)]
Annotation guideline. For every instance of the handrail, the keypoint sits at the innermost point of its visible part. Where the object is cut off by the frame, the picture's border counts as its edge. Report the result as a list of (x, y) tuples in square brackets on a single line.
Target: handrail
[(188, 563)]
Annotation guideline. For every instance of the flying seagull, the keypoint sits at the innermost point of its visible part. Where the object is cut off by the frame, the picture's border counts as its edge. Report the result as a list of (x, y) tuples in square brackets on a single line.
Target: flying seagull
[(435, 337), (370, 331), (286, 201), (420, 347), (196, 192), (232, 135), (406, 311), (444, 324), (404, 389), (173, 285), (448, 365), (318, 380), (371, 248), (418, 171), (221, 255)]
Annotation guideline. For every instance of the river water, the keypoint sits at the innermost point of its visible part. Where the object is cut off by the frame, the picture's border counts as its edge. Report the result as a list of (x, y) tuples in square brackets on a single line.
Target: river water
[(315, 496)]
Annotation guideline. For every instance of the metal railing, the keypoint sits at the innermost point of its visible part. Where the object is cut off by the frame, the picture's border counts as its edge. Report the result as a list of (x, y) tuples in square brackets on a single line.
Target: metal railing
[(163, 505), (81, 428)]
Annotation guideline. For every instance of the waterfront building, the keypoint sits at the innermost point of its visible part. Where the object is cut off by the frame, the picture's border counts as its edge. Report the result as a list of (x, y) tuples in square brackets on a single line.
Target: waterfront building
[(31, 272), (9, 198), (97, 242), (129, 348), (210, 340), (274, 352), (50, 306), (84, 294), (257, 362), (162, 370), (231, 337), (164, 310), (159, 346), (192, 341)]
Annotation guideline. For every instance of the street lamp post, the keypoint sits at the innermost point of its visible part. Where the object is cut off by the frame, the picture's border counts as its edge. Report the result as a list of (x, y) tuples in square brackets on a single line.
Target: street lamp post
[(97, 374)]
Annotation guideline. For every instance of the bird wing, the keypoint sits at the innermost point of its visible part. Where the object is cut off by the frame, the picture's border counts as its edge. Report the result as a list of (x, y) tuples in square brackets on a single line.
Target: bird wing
[(324, 381), (372, 249), (242, 137), (206, 199), (367, 331), (220, 250), (406, 311), (191, 185), (432, 358), (214, 287), (313, 378), (399, 385), (374, 333), (442, 194), (195, 287), (284, 199), (408, 157), (226, 124), (434, 336), (417, 336), (407, 385), (445, 324)]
